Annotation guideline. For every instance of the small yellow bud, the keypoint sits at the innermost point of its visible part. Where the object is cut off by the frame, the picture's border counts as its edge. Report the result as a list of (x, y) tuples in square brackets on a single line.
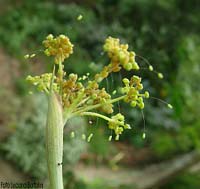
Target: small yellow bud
[(144, 135), (122, 56), (72, 76), (47, 52), (72, 134), (160, 75), (117, 137), (80, 17), (89, 137), (146, 94), (83, 137), (141, 105), (99, 79), (110, 138), (33, 55), (26, 56), (140, 86), (114, 92), (135, 66), (133, 103), (94, 96), (50, 37), (151, 68), (140, 99), (170, 106), (125, 81), (132, 54), (84, 77), (128, 66), (127, 126)]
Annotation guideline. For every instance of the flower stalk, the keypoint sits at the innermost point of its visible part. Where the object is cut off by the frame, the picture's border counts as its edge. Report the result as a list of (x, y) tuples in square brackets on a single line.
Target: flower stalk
[(54, 141)]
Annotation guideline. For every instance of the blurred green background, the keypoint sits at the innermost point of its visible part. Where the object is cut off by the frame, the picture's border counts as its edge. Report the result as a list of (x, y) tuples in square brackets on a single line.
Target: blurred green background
[(164, 32)]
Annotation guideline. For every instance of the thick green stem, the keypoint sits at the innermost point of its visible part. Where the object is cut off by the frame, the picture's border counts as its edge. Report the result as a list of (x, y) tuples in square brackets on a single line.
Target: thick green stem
[(54, 141)]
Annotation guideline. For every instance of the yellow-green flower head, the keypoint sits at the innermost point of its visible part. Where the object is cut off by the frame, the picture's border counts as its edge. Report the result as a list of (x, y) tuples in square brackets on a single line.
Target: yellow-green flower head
[(131, 89), (117, 124), (120, 55), (43, 82), (60, 47)]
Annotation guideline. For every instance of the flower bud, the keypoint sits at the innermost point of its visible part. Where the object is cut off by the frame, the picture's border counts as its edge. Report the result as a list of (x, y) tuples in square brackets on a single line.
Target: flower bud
[(133, 103), (26, 56), (80, 17), (160, 75), (170, 106), (146, 94), (72, 134), (128, 66), (117, 137), (151, 68), (83, 137), (141, 105), (125, 81)]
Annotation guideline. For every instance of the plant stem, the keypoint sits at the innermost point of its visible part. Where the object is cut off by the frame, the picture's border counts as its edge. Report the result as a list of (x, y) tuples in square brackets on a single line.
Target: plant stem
[(100, 116), (96, 115), (54, 141), (91, 107)]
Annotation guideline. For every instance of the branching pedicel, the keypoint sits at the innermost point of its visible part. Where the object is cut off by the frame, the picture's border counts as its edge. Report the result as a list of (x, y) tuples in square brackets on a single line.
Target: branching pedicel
[(71, 96)]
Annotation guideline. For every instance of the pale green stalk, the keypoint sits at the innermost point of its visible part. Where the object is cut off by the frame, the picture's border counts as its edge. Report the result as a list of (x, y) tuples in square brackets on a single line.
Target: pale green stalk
[(54, 141), (100, 116)]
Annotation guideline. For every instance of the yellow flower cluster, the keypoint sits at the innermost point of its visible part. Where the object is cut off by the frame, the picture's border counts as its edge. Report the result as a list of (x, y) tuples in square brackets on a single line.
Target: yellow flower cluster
[(74, 89), (71, 89), (99, 96), (117, 124), (43, 82), (60, 47), (80, 95), (132, 89), (120, 55)]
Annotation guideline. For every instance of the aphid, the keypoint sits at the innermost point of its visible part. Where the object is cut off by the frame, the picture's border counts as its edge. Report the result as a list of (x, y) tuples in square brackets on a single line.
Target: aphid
[(60, 164)]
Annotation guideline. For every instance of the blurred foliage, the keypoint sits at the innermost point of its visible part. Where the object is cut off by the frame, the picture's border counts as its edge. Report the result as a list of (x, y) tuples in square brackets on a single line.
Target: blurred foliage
[(185, 96), (100, 144), (8, 109), (70, 181), (100, 183), (184, 181)]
